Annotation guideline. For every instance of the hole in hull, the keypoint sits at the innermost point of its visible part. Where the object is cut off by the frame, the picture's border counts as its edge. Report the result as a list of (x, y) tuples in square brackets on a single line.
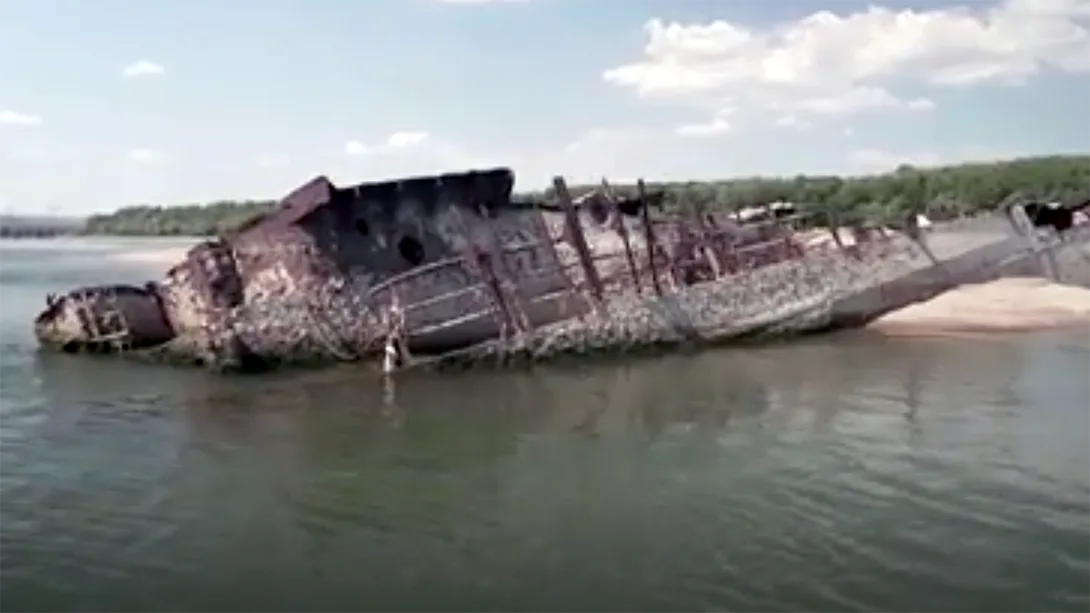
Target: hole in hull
[(411, 250)]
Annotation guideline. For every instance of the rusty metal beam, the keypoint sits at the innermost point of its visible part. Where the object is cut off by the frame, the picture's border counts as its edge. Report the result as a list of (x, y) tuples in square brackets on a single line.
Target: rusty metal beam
[(607, 192), (649, 235), (578, 239)]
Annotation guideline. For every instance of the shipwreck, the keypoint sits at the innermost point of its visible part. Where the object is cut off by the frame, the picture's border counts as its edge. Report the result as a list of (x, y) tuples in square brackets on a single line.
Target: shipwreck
[(474, 274)]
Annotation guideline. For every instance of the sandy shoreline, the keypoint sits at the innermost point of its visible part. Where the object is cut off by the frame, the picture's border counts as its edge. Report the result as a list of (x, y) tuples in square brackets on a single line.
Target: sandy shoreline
[(161, 256), (1009, 305)]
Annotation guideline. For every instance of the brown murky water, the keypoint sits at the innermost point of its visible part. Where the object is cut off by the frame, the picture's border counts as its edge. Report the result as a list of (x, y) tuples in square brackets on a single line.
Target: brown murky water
[(843, 473)]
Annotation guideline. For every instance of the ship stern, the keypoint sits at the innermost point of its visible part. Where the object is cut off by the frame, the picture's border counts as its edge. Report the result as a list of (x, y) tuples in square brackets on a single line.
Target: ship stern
[(103, 320)]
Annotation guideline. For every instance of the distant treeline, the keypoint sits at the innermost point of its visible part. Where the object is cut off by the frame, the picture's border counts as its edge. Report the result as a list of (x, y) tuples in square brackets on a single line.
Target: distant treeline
[(181, 220), (27, 226), (34, 231), (941, 192)]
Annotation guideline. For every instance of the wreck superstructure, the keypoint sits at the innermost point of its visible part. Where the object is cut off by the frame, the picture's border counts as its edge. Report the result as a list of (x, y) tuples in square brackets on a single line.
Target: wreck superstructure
[(318, 277), (322, 246)]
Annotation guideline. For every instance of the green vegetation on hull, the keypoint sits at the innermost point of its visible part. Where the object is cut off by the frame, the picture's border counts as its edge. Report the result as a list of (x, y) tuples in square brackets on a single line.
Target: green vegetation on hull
[(942, 192)]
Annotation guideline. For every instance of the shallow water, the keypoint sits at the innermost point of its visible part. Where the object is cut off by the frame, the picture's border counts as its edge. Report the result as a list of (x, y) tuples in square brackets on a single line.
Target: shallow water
[(842, 473)]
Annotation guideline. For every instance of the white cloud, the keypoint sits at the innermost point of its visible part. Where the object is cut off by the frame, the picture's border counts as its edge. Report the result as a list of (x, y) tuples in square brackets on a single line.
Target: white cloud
[(406, 139), (272, 160), (143, 68), (16, 118), (920, 104), (355, 147), (144, 156), (855, 100), (432, 155), (597, 138), (620, 153), (398, 140), (28, 153), (878, 160), (792, 121), (837, 64), (715, 127)]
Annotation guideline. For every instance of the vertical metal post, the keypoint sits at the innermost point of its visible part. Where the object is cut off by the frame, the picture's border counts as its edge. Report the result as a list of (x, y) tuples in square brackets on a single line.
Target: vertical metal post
[(717, 241), (623, 231), (579, 241), (483, 262), (503, 277), (649, 237), (706, 245)]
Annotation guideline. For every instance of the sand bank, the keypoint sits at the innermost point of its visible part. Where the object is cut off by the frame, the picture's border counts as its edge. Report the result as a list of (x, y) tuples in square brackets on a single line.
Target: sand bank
[(1011, 304), (167, 256)]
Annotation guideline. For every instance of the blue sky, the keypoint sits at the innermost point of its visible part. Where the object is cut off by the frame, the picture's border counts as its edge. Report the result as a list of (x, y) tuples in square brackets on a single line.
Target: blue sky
[(114, 102)]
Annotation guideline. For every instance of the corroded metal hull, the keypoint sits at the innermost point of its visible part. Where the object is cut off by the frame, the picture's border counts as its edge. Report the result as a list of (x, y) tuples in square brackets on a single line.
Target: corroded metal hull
[(104, 319), (318, 278)]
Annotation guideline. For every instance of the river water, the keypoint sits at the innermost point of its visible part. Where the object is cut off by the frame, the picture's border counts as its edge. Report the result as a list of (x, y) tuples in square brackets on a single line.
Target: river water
[(841, 473)]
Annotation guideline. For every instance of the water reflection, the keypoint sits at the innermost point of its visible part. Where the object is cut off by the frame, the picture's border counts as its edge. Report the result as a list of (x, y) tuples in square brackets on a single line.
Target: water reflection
[(709, 394), (851, 473)]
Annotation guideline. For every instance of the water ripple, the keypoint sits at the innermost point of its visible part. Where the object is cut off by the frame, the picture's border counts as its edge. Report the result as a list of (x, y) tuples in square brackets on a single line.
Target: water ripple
[(848, 474)]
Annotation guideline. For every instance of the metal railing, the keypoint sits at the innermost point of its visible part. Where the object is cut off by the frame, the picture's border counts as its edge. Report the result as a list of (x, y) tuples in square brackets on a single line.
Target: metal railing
[(710, 246)]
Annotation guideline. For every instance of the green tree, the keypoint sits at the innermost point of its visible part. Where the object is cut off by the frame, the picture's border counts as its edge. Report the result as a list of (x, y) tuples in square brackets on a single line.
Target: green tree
[(942, 193)]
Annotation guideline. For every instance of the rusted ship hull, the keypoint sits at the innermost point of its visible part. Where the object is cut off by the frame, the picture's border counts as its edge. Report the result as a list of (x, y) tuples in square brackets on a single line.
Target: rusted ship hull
[(319, 278), (319, 274)]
